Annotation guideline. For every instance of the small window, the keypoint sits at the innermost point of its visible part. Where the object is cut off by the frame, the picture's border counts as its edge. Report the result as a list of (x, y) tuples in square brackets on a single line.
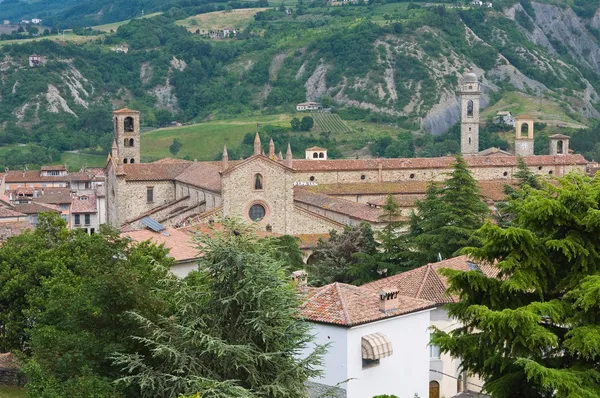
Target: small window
[(125, 160), (369, 363), (83, 198), (126, 142), (540, 167), (312, 178), (434, 351), (257, 212), (92, 231), (132, 161), (88, 219), (150, 194), (550, 172), (128, 124), (315, 155), (321, 155), (412, 175), (362, 177), (269, 228), (131, 142), (505, 173), (469, 108), (258, 182), (469, 140), (77, 219)]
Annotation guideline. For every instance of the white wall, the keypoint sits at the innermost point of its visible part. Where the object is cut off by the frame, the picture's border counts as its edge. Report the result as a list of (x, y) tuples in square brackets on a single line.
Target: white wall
[(182, 269), (334, 362), (405, 372)]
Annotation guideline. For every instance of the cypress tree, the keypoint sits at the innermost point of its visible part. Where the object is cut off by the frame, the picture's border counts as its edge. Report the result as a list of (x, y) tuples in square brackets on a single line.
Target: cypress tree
[(534, 329)]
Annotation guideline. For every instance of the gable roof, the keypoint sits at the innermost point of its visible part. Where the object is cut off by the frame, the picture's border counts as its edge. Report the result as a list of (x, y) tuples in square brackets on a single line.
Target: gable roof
[(36, 208), (254, 158), (347, 305), (153, 171), (181, 245), (202, 175)]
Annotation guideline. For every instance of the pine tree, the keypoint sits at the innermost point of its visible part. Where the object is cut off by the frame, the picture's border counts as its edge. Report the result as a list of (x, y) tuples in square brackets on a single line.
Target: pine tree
[(450, 213), (234, 330), (525, 180), (534, 330)]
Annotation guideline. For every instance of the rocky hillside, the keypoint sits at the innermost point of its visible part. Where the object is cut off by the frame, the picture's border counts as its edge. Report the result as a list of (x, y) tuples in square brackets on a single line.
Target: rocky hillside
[(401, 64)]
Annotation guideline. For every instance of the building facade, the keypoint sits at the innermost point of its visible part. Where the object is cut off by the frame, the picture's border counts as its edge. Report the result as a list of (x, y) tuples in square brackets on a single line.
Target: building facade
[(470, 94)]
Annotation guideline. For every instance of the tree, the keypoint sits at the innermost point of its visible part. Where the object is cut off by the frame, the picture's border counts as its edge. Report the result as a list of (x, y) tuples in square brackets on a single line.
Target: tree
[(63, 301), (175, 146), (307, 123), (336, 257), (533, 331), (295, 123), (525, 179), (234, 330), (448, 216)]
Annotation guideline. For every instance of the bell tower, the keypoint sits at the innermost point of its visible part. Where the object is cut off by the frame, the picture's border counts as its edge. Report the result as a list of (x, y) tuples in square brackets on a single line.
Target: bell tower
[(127, 135), (470, 92)]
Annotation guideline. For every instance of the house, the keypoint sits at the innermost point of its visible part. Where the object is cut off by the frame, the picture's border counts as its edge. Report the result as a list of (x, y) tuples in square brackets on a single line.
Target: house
[(308, 106), (229, 32), (84, 212), (25, 21), (6, 22), (505, 117), (33, 210), (60, 197), (36, 21), (121, 49), (378, 340), (35, 60)]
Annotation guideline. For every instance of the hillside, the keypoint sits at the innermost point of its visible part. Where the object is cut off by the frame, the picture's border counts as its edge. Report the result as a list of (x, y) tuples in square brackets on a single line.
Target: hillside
[(394, 63)]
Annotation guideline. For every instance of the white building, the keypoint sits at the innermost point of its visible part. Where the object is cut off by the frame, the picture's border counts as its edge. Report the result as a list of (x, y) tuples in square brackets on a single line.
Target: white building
[(36, 21), (84, 212), (505, 117), (316, 153), (308, 106), (378, 341)]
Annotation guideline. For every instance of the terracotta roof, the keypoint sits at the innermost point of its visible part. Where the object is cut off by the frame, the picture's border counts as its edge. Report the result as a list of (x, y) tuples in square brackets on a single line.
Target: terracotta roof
[(54, 168), (352, 209), (315, 148), (10, 229), (306, 165), (125, 110), (425, 282), (32, 176), (494, 152), (409, 200), (347, 305), (54, 196), (559, 136), (180, 244), (153, 171), (171, 160), (235, 165), (81, 205), (202, 175), (525, 116), (85, 176), (36, 208), (8, 361), (9, 213)]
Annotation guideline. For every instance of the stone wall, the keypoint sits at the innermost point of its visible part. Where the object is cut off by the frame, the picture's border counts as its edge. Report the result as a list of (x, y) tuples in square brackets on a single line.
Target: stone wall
[(304, 221), (112, 198), (133, 197), (198, 195), (10, 377)]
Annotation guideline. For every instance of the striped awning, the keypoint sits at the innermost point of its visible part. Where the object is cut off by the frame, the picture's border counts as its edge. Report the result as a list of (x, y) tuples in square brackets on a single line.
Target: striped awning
[(376, 346)]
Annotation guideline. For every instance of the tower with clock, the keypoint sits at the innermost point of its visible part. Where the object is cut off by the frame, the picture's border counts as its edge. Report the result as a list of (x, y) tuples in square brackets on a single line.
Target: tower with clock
[(524, 135)]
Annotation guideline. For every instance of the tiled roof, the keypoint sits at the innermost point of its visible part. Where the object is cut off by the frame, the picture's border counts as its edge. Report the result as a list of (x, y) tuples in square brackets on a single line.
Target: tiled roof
[(315, 148), (8, 361), (54, 168), (8, 213), (85, 176), (10, 229), (202, 175), (439, 163), (494, 152), (352, 209), (153, 171), (425, 282), (171, 160), (125, 110), (81, 205), (180, 244), (347, 305), (32, 176), (54, 196), (36, 208)]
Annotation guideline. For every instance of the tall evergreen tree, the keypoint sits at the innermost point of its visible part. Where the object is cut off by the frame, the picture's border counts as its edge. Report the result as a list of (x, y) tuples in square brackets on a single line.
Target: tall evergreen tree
[(448, 216), (525, 179), (534, 330), (234, 331)]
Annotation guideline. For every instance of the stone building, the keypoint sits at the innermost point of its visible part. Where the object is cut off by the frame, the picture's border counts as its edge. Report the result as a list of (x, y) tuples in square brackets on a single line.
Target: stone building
[(470, 93)]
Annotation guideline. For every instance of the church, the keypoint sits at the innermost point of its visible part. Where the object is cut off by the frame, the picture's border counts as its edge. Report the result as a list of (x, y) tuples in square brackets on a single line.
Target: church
[(313, 195)]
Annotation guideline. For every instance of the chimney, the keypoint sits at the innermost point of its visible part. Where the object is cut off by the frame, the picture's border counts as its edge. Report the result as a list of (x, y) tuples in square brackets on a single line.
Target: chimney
[(272, 150), (288, 156), (225, 159), (300, 277), (257, 149), (388, 299)]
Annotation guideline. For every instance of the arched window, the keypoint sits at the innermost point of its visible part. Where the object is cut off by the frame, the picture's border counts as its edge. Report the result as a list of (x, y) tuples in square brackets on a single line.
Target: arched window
[(132, 161), (125, 160), (321, 155), (257, 212), (315, 155), (524, 130), (469, 140), (258, 182), (131, 142), (128, 124), (126, 142), (559, 147), (116, 124), (469, 108)]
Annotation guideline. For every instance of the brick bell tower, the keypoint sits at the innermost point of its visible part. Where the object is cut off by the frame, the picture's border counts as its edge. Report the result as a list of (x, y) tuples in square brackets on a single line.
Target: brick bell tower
[(127, 135), (470, 93)]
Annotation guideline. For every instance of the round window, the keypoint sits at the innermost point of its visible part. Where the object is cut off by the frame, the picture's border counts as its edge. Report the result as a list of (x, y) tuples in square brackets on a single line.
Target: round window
[(362, 177), (312, 178), (257, 212)]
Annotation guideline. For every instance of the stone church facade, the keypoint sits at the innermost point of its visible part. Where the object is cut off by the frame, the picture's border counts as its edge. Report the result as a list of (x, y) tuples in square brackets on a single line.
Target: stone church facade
[(300, 196)]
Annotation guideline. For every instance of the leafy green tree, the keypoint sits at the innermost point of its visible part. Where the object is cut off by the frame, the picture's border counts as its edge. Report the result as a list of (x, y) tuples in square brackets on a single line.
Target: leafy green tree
[(288, 251), (295, 124), (534, 330), (175, 146), (306, 123), (234, 331), (335, 258), (448, 216), (525, 179)]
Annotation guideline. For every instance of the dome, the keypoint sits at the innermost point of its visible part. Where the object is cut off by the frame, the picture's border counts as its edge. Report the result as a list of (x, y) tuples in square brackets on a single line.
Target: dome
[(470, 78)]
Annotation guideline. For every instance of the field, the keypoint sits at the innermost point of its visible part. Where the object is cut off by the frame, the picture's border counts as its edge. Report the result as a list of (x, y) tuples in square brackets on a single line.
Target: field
[(204, 141), (67, 37), (115, 25), (12, 392), (330, 122), (76, 161), (239, 19)]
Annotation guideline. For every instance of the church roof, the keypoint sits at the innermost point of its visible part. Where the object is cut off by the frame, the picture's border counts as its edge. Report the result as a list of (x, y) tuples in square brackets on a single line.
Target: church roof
[(153, 171), (202, 175), (559, 136), (125, 110)]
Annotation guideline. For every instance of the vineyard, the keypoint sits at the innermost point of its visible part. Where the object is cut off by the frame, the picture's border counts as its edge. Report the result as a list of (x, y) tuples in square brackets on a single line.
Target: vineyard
[(330, 122)]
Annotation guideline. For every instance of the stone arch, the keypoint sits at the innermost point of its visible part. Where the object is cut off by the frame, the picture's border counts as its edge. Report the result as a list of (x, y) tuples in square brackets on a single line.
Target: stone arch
[(470, 140), (258, 182), (132, 161), (559, 147), (125, 161), (469, 108), (321, 155), (126, 142), (128, 124), (315, 155), (131, 142), (524, 130)]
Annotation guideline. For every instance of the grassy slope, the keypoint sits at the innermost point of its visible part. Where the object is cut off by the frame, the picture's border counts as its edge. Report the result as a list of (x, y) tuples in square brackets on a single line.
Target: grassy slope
[(239, 18), (115, 25), (68, 36), (12, 392)]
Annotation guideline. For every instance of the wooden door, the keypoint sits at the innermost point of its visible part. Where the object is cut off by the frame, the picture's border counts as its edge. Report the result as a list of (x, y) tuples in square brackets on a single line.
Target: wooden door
[(434, 389)]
